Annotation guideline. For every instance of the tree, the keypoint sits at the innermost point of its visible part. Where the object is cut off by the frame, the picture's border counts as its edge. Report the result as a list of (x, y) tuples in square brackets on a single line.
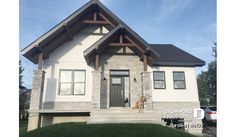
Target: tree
[(211, 81), (212, 77), (21, 69), (203, 88), (207, 82)]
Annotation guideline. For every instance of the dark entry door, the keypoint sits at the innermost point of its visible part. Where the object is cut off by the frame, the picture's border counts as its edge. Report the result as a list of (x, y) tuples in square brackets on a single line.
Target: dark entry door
[(117, 92)]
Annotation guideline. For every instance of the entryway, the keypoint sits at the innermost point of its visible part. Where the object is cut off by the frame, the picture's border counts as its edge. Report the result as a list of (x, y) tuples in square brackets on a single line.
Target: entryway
[(119, 88)]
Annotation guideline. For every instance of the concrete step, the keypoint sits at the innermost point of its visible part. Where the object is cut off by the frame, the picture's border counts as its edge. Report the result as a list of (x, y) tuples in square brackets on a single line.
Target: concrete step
[(120, 111), (122, 116)]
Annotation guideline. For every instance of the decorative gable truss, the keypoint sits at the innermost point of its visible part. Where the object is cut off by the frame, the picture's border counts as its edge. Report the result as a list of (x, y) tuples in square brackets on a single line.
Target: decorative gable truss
[(120, 36), (92, 13)]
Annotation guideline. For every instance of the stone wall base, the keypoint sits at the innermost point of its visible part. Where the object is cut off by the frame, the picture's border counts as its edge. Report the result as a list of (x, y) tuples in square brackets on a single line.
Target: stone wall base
[(34, 121), (183, 110), (78, 106), (160, 109), (50, 119)]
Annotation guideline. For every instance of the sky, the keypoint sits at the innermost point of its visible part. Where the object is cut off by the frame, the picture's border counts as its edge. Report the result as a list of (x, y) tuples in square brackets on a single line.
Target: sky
[(187, 24)]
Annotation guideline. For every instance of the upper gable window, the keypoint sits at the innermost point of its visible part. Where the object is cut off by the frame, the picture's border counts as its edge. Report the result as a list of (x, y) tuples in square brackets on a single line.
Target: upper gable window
[(72, 82), (179, 80), (159, 79)]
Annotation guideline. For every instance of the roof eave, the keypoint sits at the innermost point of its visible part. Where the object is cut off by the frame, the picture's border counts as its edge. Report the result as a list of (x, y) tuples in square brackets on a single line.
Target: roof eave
[(55, 28), (29, 58), (180, 64)]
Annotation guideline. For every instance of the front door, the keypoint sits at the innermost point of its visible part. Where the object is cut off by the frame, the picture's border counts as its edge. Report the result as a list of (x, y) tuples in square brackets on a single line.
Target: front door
[(117, 95)]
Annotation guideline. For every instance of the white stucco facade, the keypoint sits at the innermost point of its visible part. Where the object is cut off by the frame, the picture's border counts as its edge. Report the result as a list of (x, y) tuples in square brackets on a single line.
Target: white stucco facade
[(70, 56), (169, 94)]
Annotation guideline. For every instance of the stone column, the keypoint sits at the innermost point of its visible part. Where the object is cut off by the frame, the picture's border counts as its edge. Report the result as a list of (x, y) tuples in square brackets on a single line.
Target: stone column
[(36, 99), (147, 90), (96, 90), (103, 94)]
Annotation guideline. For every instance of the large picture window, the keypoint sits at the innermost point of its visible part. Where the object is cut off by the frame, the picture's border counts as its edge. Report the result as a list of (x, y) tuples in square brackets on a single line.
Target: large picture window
[(159, 79), (72, 82), (179, 80)]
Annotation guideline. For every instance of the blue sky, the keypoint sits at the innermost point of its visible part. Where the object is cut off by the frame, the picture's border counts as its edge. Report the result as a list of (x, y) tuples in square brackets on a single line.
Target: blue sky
[(188, 24)]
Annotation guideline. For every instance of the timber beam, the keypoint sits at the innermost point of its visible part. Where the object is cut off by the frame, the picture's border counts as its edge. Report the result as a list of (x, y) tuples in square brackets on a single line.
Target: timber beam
[(40, 61), (45, 54), (145, 62), (107, 20), (95, 22), (97, 59), (129, 39), (68, 33), (121, 45)]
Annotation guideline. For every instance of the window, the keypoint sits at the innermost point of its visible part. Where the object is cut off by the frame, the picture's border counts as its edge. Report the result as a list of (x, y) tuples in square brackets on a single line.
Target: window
[(116, 81), (179, 80), (72, 82), (159, 79)]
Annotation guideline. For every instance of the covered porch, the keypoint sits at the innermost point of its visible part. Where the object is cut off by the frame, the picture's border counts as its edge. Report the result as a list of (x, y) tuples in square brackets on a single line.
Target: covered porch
[(120, 75)]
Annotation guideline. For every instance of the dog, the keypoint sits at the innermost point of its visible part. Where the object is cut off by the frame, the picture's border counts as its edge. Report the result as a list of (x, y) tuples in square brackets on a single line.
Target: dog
[(140, 104)]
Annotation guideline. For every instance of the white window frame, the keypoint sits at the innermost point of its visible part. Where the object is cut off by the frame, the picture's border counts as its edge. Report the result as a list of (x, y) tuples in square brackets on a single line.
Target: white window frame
[(72, 82), (184, 81), (159, 79)]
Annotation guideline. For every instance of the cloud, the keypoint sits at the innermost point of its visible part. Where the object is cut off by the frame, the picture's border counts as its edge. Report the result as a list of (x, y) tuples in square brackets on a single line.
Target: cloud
[(171, 9)]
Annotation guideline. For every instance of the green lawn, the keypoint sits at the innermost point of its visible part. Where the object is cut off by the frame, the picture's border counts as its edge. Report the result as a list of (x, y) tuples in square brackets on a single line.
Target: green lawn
[(23, 126), (105, 130)]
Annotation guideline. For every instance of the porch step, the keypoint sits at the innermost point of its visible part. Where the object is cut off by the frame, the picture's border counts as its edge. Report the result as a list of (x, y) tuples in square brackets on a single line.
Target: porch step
[(120, 111), (122, 116)]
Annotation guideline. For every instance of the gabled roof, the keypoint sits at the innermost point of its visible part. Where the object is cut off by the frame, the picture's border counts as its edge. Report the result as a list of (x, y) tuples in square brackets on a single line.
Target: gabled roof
[(102, 43), (69, 27), (160, 54), (171, 55), (32, 48)]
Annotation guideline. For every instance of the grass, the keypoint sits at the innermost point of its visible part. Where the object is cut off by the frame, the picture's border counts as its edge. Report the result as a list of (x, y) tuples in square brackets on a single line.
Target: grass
[(105, 130), (23, 126)]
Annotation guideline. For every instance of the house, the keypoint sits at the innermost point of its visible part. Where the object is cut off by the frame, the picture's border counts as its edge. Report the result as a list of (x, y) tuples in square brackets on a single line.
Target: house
[(22, 89), (24, 102), (92, 68)]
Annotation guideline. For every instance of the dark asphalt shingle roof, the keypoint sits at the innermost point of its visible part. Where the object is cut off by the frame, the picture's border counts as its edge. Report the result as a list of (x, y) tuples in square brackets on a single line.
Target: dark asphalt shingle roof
[(171, 55), (166, 54)]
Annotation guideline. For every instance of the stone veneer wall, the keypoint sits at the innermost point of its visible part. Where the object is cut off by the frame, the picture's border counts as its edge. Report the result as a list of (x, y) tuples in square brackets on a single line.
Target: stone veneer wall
[(121, 62), (80, 106), (103, 94), (36, 99), (96, 90), (147, 90), (160, 109)]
